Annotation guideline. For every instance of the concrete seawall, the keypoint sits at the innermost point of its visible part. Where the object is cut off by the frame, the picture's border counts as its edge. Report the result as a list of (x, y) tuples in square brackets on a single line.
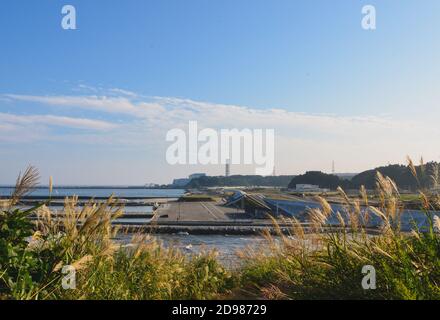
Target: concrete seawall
[(223, 229)]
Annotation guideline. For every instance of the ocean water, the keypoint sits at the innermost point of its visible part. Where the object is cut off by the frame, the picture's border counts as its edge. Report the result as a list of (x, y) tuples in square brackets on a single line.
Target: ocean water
[(226, 246), (133, 193), (120, 192)]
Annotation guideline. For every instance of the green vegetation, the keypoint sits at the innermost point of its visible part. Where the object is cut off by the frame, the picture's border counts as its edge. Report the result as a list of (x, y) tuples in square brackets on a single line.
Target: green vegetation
[(408, 177), (328, 265), (105, 270), (240, 181), (318, 178), (299, 266), (411, 178)]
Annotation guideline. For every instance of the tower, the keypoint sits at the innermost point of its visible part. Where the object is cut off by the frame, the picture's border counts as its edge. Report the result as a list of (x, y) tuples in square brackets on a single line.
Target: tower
[(227, 169), (333, 167)]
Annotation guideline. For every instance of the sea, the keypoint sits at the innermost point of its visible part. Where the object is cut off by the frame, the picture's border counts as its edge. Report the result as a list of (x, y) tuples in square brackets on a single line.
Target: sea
[(121, 192), (226, 246)]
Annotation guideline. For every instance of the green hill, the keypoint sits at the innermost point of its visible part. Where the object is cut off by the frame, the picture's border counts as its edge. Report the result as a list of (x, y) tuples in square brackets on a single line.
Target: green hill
[(240, 180), (319, 178), (400, 174)]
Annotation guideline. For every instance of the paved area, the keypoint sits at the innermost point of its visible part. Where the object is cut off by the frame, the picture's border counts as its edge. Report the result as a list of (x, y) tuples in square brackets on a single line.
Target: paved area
[(197, 211)]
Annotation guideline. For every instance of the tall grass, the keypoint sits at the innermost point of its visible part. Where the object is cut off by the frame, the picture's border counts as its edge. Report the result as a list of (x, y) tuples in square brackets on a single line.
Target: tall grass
[(33, 255), (317, 262), (329, 265), (149, 271)]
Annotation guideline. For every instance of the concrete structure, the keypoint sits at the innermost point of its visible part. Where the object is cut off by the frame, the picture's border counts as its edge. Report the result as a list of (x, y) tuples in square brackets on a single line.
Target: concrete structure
[(197, 211), (305, 187), (309, 188), (184, 181), (254, 205)]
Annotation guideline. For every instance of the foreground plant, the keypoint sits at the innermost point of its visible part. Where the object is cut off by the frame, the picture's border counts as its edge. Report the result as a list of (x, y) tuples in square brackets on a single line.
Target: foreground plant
[(33, 254), (147, 270), (20, 269), (328, 265), (320, 261)]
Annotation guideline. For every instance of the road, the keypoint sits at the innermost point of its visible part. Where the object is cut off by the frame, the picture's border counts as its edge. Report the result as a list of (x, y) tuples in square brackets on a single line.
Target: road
[(197, 211)]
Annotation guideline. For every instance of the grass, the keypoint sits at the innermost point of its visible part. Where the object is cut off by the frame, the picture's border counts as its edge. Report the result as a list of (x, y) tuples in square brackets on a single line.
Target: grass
[(317, 265), (148, 271), (83, 239), (329, 265)]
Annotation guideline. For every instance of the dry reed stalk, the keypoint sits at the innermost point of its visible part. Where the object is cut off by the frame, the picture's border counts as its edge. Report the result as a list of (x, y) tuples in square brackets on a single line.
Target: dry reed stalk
[(25, 183)]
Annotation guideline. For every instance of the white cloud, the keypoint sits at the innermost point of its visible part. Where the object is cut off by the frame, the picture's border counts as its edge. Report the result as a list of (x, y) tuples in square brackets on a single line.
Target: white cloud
[(9, 120), (304, 141), (120, 105), (123, 92), (175, 111)]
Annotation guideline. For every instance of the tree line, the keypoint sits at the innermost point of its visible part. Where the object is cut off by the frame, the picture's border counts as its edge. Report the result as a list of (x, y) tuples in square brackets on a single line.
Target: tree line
[(427, 177)]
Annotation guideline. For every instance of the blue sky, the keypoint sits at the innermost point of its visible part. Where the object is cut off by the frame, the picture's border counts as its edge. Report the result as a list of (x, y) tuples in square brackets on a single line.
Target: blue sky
[(63, 92)]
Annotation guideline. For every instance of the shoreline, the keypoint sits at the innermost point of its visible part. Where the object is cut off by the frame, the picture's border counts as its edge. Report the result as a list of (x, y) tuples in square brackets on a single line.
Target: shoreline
[(195, 228)]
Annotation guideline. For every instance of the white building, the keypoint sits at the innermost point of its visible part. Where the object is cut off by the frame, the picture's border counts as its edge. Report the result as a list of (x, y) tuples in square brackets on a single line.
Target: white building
[(184, 181), (309, 188), (181, 182)]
